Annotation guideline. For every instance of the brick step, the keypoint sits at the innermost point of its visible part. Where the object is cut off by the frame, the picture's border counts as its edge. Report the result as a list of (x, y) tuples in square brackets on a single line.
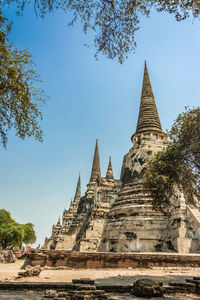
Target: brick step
[(151, 233), (134, 214), (134, 182), (132, 191), (138, 194), (136, 223), (133, 197), (134, 207), (134, 201), (132, 185)]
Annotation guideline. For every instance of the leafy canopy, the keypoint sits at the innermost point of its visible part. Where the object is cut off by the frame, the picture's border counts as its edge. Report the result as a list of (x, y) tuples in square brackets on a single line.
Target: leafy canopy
[(114, 22), (20, 99), (13, 234), (179, 165)]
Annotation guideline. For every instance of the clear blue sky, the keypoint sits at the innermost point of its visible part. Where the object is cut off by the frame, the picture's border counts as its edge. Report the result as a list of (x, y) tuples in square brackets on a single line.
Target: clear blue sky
[(90, 99)]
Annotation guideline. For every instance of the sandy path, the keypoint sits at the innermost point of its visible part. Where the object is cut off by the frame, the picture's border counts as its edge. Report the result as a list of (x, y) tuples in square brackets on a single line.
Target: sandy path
[(105, 276), (9, 270), (116, 276)]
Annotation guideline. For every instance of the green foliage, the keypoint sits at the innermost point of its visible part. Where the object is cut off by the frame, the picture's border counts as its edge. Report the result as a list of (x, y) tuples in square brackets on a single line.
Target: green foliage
[(5, 216), (20, 99), (185, 134), (29, 233), (179, 165), (114, 22), (13, 234)]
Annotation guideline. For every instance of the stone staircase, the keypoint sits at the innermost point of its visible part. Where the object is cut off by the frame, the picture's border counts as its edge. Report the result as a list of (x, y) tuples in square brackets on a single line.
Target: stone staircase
[(93, 234)]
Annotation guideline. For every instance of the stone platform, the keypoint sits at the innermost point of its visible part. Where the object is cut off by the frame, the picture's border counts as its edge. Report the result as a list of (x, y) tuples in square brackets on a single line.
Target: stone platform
[(71, 259)]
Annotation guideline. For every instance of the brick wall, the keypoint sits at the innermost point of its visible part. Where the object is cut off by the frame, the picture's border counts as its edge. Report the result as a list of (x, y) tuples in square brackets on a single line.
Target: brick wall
[(55, 258)]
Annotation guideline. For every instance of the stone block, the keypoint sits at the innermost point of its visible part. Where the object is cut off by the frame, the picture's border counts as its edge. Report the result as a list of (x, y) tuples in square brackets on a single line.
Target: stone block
[(183, 245)]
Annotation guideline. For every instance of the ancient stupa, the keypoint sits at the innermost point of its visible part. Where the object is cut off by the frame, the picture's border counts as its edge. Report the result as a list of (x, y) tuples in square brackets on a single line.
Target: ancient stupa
[(116, 215)]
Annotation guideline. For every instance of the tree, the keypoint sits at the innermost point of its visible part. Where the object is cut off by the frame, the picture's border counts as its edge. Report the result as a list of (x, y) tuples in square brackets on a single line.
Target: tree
[(20, 99), (13, 234), (29, 233), (113, 21), (179, 165)]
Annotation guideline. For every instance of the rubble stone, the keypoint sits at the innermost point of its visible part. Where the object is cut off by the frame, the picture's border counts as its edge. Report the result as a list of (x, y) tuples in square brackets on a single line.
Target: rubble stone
[(147, 288), (51, 293), (7, 256), (33, 271)]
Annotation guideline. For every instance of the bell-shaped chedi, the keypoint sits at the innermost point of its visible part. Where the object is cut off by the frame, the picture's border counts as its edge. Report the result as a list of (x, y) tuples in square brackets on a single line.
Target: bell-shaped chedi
[(109, 174), (96, 169), (132, 224)]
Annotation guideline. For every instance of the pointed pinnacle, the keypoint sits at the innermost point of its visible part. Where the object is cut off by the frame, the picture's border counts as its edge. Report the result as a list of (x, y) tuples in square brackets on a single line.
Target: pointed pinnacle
[(146, 88), (110, 164), (96, 170), (109, 174), (58, 223), (148, 119), (78, 189)]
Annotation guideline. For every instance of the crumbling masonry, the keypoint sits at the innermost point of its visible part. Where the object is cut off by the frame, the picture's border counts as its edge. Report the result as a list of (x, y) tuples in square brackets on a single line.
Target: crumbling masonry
[(116, 215)]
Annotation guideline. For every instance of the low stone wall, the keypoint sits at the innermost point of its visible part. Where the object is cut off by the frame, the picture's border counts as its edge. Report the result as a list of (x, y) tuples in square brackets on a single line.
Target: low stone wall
[(64, 286), (56, 258)]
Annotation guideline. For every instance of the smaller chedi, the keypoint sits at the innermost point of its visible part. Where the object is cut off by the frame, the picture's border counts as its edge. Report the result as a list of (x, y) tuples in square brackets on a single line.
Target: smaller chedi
[(116, 215), (82, 224)]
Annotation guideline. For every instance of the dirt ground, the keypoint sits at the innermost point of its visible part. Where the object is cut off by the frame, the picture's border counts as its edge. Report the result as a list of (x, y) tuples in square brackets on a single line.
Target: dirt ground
[(104, 276)]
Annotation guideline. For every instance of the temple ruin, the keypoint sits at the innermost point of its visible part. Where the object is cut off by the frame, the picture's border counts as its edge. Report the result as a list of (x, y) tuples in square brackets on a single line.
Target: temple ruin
[(116, 215)]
